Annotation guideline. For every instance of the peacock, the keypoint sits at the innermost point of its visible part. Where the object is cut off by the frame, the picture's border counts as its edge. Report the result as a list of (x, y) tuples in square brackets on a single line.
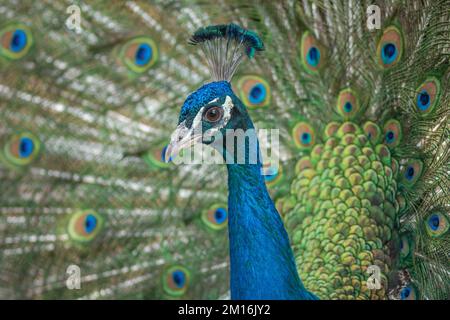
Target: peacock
[(94, 203)]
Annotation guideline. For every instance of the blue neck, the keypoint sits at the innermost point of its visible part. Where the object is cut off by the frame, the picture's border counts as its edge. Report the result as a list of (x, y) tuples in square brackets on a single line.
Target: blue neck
[(261, 259)]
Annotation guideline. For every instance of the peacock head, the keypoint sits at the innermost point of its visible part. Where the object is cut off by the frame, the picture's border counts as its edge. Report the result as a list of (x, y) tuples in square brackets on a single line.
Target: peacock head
[(207, 116), (213, 110)]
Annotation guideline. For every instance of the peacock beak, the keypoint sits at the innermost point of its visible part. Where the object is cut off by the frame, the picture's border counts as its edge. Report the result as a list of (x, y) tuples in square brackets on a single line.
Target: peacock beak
[(181, 138)]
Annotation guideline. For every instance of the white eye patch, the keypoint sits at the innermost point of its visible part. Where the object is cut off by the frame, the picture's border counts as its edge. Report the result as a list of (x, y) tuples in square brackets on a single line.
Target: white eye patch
[(227, 108)]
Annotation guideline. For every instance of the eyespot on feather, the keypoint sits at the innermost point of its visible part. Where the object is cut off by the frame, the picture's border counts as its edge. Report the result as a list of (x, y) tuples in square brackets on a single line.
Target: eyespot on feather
[(427, 96), (312, 53), (412, 171), (390, 47), (139, 54), (84, 226), (372, 131), (176, 280), (16, 41), (392, 133), (409, 292), (216, 217), (347, 104), (303, 135), (21, 149), (436, 224), (254, 91)]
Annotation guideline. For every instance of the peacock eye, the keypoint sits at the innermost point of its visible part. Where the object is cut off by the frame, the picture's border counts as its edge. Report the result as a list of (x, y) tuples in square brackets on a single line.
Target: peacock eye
[(84, 226), (216, 217), (427, 95), (213, 114), (409, 293), (139, 54), (176, 280), (16, 41), (390, 47), (21, 149), (437, 224)]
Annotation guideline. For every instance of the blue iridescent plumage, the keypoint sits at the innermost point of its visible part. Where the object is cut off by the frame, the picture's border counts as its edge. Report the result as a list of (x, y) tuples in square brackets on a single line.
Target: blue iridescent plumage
[(259, 243)]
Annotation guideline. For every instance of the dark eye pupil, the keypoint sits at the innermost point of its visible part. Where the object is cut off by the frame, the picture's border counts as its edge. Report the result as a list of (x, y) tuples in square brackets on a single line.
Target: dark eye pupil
[(213, 114), (424, 98), (435, 221), (410, 171), (313, 54), (348, 107), (390, 136), (178, 278), (389, 50)]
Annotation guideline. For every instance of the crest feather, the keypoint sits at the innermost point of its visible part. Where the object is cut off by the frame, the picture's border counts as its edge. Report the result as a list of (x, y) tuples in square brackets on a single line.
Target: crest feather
[(225, 46)]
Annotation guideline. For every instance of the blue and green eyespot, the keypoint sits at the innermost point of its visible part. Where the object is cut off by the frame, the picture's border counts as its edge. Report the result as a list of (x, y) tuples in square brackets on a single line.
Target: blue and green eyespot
[(303, 135), (409, 292), (373, 132), (392, 133), (21, 149), (16, 41), (254, 91), (139, 54), (216, 217), (427, 95), (347, 104), (390, 47), (436, 224), (412, 171), (176, 280), (84, 226), (311, 53)]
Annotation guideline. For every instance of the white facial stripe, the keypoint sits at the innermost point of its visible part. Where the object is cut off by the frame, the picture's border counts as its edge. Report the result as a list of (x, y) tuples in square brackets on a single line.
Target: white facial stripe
[(227, 107), (197, 120)]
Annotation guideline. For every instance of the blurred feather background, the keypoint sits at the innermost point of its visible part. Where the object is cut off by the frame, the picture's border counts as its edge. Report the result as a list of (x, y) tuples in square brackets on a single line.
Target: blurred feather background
[(87, 112)]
